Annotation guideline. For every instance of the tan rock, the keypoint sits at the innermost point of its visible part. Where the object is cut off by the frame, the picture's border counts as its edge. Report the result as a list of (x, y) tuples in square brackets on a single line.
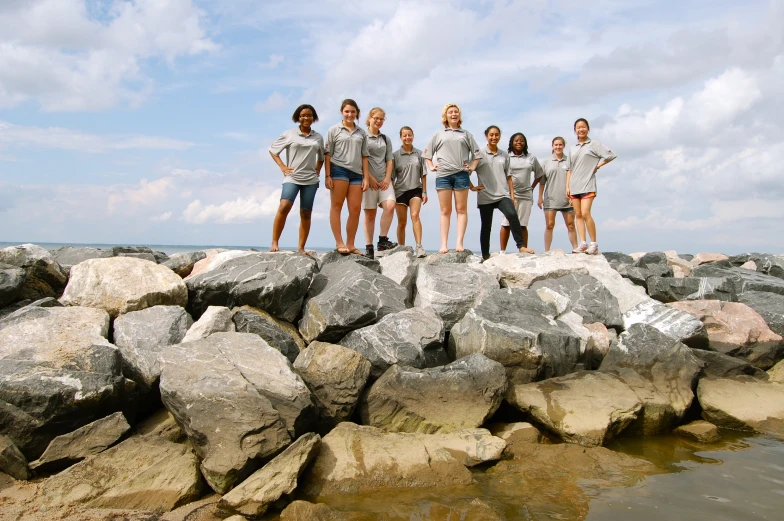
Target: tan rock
[(680, 267), (735, 329), (122, 284), (705, 258), (743, 403), (776, 373), (214, 258), (749, 265), (517, 432), (305, 511), (202, 265), (161, 423), (700, 431), (217, 319), (12, 461), (598, 344)]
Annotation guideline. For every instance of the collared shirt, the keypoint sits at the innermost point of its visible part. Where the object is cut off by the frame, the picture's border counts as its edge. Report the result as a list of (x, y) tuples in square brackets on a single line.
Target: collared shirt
[(409, 170), (454, 148), (521, 168), (303, 153), (555, 183), (492, 172), (583, 158), (346, 147), (379, 152)]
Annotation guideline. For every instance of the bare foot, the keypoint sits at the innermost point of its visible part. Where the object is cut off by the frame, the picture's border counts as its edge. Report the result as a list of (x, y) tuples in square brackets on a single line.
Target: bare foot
[(274, 247), (459, 249), (443, 250), (523, 249), (342, 249), (302, 251)]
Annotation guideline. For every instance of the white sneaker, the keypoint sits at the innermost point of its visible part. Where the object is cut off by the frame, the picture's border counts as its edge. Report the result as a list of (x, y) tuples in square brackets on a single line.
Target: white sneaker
[(593, 249), (420, 252), (581, 248)]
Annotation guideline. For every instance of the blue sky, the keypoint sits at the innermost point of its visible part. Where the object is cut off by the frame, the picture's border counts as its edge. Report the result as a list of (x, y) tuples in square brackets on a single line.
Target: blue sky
[(148, 121)]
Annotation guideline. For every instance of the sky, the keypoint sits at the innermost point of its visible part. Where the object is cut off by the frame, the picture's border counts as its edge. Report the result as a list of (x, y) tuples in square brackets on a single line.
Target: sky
[(148, 121)]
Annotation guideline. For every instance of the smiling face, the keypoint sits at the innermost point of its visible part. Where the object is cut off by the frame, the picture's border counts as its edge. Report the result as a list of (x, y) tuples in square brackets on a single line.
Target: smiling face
[(581, 129), (407, 137), (558, 146), (453, 116), (518, 145), (305, 118), (493, 137), (349, 113), (376, 119)]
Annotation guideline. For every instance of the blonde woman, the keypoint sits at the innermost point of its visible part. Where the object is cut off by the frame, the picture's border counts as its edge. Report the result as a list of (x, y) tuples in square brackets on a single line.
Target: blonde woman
[(380, 193), (458, 154)]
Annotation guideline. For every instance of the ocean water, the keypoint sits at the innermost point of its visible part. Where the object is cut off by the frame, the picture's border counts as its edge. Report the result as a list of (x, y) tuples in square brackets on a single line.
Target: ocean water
[(168, 249)]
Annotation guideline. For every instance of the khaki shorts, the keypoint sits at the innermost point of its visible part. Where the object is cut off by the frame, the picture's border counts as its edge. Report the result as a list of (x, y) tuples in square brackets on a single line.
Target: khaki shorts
[(523, 209), (372, 199)]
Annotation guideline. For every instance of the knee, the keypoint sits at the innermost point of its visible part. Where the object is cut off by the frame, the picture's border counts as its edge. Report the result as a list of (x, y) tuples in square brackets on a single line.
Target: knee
[(446, 211), (284, 209), (570, 226), (305, 215), (415, 216), (550, 226), (461, 210)]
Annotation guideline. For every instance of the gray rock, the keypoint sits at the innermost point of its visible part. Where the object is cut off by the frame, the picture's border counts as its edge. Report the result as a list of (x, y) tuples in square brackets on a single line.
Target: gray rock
[(397, 249), (517, 329), (45, 277), (402, 267), (747, 280), (763, 262), (399, 338), (451, 289), (12, 279), (662, 372), (334, 257), (336, 376), (182, 262), (274, 282), (69, 256), (638, 276), (615, 258), (719, 365), (276, 480), (656, 263), (769, 305), (668, 289), (589, 298), (279, 334), (91, 439), (674, 323), (140, 252), (461, 395), (451, 257), (345, 296), (216, 319), (12, 461), (230, 422), (141, 335), (21, 308), (58, 372)]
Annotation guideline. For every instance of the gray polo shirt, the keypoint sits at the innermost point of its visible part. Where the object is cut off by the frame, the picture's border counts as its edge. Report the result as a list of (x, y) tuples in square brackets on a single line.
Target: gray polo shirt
[(409, 169), (453, 148), (583, 158), (492, 172), (346, 148), (379, 152), (521, 168), (303, 153), (555, 183)]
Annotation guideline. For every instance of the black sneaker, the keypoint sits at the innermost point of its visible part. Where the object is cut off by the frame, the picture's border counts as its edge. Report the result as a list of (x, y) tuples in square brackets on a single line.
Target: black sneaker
[(369, 253), (386, 245)]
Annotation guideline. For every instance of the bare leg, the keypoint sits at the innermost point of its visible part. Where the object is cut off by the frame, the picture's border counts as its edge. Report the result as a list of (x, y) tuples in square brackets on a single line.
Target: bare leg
[(578, 219), (401, 209), (549, 225), (525, 235), (585, 205), (337, 197), (370, 225), (354, 198), (445, 200), (461, 207), (569, 220), (304, 229), (504, 237), (280, 222), (387, 213), (415, 206)]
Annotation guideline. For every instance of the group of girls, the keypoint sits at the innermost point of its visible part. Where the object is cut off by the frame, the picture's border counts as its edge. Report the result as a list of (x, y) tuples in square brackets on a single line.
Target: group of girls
[(361, 170)]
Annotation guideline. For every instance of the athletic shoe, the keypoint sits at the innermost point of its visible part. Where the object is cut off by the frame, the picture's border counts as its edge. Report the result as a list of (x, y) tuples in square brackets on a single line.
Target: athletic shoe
[(420, 252), (385, 245), (369, 253), (593, 249), (582, 248)]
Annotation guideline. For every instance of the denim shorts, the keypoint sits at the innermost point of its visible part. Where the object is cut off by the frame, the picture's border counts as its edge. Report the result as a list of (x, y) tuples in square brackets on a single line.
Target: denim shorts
[(456, 182), (339, 173), (308, 192)]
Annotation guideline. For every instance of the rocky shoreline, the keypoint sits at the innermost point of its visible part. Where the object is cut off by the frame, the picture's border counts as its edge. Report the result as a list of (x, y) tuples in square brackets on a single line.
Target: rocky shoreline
[(231, 383)]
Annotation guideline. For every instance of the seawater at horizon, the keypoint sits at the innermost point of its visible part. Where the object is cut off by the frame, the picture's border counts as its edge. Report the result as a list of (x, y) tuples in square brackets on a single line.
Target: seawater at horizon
[(168, 249)]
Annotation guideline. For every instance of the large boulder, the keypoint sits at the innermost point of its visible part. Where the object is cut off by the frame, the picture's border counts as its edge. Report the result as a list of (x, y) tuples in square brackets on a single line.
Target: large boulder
[(123, 284), (216, 319), (450, 257), (673, 322), (588, 407), (182, 262), (655, 263), (463, 394), (662, 372), (743, 403), (280, 334), (345, 296), (747, 280), (333, 257), (213, 259), (520, 271), (761, 262), (231, 423), (141, 335), (412, 337), (719, 365), (770, 306), (452, 289), (69, 256), (517, 329), (707, 258), (276, 480), (401, 267), (737, 330), (141, 473), (44, 276), (336, 376), (12, 279), (668, 289), (140, 252), (57, 372), (588, 297), (274, 282)]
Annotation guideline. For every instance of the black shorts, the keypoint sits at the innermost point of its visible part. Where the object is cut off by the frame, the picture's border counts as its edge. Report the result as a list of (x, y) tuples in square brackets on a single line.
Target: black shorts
[(405, 197)]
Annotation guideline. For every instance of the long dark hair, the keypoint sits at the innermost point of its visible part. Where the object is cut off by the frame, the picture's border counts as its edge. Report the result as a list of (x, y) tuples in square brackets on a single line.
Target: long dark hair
[(511, 140), (351, 103)]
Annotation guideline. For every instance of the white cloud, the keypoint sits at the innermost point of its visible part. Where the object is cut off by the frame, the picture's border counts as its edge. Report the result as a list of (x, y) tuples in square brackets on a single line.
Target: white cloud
[(274, 101), (240, 210), (145, 194), (162, 217)]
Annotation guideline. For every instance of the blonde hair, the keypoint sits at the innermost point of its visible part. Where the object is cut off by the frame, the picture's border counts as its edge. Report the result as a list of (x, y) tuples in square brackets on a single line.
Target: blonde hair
[(447, 107), (374, 110)]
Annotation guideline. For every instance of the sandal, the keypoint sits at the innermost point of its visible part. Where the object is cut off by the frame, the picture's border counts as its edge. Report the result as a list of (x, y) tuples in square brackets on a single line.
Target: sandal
[(356, 252), (342, 250)]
